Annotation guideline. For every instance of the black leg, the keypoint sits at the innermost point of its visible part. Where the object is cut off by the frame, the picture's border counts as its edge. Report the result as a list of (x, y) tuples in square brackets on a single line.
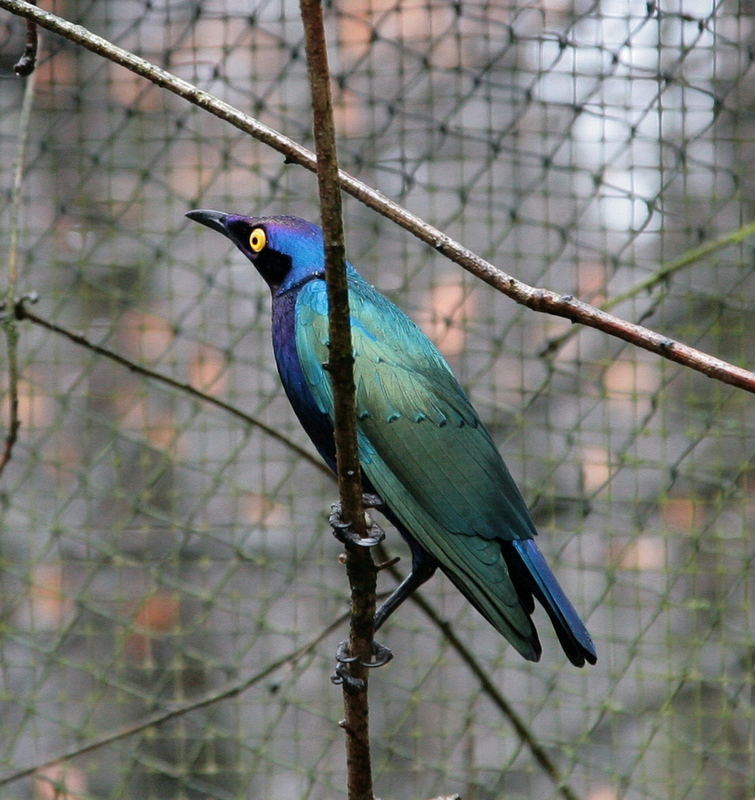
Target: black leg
[(423, 569)]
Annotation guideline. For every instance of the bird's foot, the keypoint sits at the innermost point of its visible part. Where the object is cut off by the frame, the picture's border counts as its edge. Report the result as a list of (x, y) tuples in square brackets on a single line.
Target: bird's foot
[(370, 500), (342, 675), (344, 532)]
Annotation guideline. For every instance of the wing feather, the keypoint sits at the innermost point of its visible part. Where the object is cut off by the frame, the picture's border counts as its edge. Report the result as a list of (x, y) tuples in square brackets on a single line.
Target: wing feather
[(424, 450)]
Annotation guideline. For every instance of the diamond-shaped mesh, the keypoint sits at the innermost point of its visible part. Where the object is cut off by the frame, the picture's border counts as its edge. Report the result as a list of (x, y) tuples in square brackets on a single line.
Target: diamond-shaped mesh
[(156, 549)]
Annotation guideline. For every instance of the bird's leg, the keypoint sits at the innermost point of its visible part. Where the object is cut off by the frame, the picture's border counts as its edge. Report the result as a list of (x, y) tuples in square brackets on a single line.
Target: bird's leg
[(423, 568), (343, 531)]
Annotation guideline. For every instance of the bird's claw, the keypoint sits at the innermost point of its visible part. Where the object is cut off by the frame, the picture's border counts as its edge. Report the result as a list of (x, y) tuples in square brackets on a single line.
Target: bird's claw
[(342, 675), (342, 656), (370, 500), (347, 535), (381, 656)]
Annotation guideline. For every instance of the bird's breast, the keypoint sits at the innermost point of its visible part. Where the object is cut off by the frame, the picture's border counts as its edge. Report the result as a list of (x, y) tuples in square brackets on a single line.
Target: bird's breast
[(315, 423)]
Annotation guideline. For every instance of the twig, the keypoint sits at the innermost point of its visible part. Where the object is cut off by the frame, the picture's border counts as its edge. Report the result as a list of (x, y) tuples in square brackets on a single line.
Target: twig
[(160, 717), (28, 61), (538, 299), (7, 318), (22, 312), (360, 567), (659, 276)]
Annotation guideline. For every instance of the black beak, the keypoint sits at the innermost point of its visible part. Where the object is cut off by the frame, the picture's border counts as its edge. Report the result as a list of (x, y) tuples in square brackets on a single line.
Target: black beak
[(212, 219)]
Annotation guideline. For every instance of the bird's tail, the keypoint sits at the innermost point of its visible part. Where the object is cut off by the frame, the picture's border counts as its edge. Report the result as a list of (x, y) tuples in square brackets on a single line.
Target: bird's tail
[(531, 573)]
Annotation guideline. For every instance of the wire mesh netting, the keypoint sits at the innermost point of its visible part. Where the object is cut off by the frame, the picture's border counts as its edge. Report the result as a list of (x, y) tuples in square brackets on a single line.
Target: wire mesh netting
[(156, 548)]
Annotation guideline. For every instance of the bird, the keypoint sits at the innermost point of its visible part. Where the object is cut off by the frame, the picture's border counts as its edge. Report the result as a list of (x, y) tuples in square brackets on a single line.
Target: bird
[(426, 457)]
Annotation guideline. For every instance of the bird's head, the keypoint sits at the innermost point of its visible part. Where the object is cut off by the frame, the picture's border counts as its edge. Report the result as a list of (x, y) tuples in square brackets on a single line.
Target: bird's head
[(285, 250)]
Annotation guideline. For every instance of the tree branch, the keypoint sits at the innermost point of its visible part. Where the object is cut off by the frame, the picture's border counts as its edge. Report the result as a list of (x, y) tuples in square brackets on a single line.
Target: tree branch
[(360, 567), (7, 317), (28, 61), (538, 299)]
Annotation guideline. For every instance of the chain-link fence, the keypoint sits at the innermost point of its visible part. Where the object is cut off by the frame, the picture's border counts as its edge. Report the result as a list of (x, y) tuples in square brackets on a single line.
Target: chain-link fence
[(158, 549)]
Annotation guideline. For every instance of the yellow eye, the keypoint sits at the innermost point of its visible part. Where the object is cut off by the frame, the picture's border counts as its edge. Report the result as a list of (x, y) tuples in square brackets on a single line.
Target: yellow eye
[(257, 240)]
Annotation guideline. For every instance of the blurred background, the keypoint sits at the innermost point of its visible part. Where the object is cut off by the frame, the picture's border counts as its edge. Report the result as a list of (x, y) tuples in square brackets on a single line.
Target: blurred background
[(155, 549)]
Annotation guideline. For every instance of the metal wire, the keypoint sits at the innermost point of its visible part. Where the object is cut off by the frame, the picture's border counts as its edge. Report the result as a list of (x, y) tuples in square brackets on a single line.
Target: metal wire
[(157, 550)]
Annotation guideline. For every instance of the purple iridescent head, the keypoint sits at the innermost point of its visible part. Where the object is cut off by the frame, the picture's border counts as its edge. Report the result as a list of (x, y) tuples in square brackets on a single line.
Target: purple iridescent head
[(285, 250)]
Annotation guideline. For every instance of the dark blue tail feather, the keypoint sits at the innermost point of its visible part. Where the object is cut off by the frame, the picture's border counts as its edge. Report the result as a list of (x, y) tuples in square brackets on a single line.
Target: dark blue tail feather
[(533, 576)]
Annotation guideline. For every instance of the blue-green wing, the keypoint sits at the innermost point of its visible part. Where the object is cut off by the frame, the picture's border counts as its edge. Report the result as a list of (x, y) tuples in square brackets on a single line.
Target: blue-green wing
[(424, 449)]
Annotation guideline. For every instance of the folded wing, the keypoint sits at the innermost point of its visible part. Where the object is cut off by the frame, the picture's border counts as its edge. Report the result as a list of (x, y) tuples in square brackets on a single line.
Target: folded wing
[(431, 459)]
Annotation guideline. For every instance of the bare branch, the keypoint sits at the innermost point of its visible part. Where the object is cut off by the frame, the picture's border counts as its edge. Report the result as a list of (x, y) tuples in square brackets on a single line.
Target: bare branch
[(360, 567), (538, 299), (28, 61), (7, 318)]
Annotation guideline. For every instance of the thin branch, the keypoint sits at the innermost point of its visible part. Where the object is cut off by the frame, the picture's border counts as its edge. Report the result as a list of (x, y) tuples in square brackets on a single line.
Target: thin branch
[(160, 717), (28, 61), (22, 312), (538, 299), (661, 275), (7, 318), (360, 567)]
